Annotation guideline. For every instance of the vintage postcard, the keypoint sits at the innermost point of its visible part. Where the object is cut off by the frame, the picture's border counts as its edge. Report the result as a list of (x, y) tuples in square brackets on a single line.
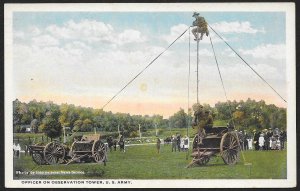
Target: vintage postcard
[(196, 95)]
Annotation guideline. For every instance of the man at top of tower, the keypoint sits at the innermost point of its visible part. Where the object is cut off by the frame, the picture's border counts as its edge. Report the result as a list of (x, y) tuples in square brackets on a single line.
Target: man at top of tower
[(201, 26)]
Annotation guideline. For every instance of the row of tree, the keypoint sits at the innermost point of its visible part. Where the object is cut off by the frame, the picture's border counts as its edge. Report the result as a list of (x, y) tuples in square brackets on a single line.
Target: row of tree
[(50, 118)]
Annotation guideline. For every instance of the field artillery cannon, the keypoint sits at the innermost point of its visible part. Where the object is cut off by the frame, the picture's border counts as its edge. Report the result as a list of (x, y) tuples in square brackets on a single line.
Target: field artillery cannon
[(88, 149), (217, 140)]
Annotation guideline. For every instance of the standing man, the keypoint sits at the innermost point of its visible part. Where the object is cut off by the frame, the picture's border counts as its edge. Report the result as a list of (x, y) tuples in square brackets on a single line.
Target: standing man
[(201, 26), (122, 144), (282, 139), (158, 145), (174, 143), (178, 142)]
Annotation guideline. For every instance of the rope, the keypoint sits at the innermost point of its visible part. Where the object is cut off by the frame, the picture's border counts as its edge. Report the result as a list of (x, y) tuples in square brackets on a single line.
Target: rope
[(212, 46), (248, 65), (144, 69), (244, 159)]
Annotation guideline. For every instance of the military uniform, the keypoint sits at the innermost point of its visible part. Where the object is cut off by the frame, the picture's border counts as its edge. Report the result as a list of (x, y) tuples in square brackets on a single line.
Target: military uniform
[(201, 26), (158, 145), (202, 120)]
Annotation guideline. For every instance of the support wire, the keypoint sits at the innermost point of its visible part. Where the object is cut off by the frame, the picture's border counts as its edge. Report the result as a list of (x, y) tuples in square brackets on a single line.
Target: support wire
[(248, 64), (143, 70)]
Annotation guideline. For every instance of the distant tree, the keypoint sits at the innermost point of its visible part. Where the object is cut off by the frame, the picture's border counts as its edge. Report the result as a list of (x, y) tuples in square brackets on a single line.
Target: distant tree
[(51, 127), (34, 126), (87, 125), (77, 125), (179, 119)]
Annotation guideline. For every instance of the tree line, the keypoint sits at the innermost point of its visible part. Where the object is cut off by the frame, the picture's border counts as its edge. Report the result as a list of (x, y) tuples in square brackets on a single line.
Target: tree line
[(50, 118)]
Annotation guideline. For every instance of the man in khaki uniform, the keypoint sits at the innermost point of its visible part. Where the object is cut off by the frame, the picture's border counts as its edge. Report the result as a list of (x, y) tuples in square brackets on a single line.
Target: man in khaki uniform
[(202, 120), (201, 26)]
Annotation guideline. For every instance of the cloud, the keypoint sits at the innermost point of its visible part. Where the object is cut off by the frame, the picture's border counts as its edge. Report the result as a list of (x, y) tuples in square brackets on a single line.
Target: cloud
[(45, 40), (205, 52), (273, 51), (89, 30), (131, 36), (34, 31), (94, 31), (228, 52), (236, 27), (175, 31)]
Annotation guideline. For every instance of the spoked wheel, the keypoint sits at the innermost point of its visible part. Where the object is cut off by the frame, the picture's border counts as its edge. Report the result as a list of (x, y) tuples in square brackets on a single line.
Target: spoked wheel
[(98, 151), (204, 160), (54, 153), (230, 148), (38, 158)]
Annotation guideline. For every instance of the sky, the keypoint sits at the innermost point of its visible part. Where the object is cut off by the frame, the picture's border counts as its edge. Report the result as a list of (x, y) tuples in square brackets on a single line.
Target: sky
[(85, 58)]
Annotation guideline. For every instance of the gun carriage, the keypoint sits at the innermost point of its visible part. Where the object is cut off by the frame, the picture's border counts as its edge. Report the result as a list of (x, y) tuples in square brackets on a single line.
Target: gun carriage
[(89, 148), (218, 140)]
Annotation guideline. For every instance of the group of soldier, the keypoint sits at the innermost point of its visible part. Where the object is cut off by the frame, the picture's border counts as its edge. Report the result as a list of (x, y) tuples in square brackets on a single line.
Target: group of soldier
[(176, 140), (112, 143), (267, 139)]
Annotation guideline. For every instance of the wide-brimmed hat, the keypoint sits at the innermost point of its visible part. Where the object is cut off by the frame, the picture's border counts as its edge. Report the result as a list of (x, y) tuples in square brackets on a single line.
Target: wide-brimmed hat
[(195, 14)]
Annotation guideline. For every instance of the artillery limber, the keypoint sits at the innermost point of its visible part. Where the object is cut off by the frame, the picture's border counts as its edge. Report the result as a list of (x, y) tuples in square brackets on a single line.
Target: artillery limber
[(89, 148), (51, 153), (218, 140)]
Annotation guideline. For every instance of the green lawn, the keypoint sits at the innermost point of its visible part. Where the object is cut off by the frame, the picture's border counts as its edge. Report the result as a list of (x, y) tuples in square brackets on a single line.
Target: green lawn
[(143, 162)]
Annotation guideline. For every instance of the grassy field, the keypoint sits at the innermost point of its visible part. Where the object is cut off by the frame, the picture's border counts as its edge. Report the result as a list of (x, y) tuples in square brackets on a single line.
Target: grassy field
[(143, 162)]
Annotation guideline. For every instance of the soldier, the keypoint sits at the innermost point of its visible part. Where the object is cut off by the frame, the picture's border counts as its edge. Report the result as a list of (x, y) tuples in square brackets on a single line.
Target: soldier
[(282, 139), (201, 26), (202, 121), (178, 142), (158, 145), (209, 121), (174, 143), (122, 144)]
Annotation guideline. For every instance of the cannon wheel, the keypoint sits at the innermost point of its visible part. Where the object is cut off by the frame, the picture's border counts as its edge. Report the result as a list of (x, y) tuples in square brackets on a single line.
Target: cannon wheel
[(204, 160), (98, 151), (54, 153), (38, 158), (229, 148)]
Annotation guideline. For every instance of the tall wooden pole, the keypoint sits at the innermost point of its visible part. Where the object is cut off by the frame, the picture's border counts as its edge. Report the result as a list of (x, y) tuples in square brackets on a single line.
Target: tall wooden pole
[(197, 64)]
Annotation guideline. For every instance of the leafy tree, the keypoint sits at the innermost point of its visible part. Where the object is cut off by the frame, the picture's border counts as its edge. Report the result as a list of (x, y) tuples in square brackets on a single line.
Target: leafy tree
[(51, 127), (77, 125), (87, 125), (34, 125), (179, 119)]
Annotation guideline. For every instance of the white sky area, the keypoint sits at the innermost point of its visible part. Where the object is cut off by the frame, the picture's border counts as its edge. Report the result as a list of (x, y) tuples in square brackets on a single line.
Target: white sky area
[(86, 61)]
